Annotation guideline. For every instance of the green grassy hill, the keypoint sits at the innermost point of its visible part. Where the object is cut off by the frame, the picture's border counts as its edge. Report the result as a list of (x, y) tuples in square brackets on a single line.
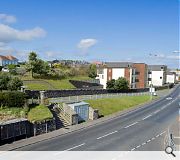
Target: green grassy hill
[(45, 84)]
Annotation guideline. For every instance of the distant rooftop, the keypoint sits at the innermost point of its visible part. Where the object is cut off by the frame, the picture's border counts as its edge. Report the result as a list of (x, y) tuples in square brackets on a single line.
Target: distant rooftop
[(157, 67), (8, 57), (118, 64)]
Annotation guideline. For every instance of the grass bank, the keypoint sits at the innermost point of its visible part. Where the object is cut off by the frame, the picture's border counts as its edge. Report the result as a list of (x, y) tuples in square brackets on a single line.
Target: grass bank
[(47, 84), (39, 113), (108, 106)]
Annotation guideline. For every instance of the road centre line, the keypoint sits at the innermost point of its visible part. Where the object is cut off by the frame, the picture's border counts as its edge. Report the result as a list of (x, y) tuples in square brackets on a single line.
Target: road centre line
[(60, 152), (106, 135), (147, 117), (157, 111), (131, 125), (150, 140), (75, 147)]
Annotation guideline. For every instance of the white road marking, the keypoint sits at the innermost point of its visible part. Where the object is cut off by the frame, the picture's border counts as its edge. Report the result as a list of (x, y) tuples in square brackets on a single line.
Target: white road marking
[(152, 138), (107, 135), (157, 135), (60, 152), (147, 117), (138, 146), (75, 147), (131, 125), (162, 133), (157, 111), (148, 141), (133, 149)]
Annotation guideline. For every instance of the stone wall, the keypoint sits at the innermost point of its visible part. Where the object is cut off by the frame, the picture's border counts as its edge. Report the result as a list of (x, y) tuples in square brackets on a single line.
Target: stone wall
[(78, 92)]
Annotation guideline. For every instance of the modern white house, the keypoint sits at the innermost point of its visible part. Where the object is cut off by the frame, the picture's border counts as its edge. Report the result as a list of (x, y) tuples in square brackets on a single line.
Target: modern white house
[(171, 77), (114, 70), (7, 60), (157, 75)]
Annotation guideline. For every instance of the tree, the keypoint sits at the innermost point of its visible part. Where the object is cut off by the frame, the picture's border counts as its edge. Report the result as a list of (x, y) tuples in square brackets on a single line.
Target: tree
[(41, 67), (121, 84), (92, 71), (14, 84), (32, 62), (111, 84)]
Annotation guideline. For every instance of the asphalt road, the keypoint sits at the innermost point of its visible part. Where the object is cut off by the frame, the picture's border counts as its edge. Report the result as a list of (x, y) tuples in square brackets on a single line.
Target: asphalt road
[(145, 129)]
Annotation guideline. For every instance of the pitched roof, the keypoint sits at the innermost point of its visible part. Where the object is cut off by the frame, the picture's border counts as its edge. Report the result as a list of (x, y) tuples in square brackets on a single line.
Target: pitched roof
[(118, 64), (9, 57), (3, 57)]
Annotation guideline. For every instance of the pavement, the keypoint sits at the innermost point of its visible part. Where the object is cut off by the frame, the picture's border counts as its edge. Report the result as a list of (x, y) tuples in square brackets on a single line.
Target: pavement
[(143, 128)]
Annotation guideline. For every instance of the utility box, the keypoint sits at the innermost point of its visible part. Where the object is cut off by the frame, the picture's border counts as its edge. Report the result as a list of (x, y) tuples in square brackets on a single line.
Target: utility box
[(82, 109)]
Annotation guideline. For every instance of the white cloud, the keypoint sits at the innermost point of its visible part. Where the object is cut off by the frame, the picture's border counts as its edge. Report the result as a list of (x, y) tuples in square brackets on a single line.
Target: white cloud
[(4, 18), (9, 34), (176, 51), (174, 57), (20, 54), (52, 54), (86, 43)]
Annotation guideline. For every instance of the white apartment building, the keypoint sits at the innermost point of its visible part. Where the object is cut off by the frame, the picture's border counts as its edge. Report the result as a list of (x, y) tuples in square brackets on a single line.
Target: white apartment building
[(157, 75), (171, 77), (114, 70)]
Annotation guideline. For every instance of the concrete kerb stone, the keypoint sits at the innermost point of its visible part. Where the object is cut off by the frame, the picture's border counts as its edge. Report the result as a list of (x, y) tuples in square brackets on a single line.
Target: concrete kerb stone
[(51, 135)]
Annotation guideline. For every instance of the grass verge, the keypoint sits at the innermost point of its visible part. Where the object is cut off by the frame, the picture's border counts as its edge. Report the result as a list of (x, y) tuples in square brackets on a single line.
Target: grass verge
[(39, 113), (108, 106)]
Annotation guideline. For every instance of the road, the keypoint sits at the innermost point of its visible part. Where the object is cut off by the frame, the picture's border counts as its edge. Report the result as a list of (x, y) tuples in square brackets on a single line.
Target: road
[(145, 129)]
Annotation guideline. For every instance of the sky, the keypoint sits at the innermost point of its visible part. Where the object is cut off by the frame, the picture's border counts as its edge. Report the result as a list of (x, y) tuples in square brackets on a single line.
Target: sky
[(93, 30)]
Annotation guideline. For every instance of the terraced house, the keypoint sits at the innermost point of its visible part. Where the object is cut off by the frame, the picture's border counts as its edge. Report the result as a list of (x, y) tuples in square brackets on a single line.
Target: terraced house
[(6, 60)]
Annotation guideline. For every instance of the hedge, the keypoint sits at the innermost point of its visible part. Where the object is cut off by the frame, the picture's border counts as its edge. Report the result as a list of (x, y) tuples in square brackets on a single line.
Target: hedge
[(12, 99)]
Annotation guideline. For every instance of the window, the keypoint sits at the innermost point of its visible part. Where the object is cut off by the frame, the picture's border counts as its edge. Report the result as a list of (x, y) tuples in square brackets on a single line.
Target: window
[(160, 77), (100, 71), (102, 76), (149, 79)]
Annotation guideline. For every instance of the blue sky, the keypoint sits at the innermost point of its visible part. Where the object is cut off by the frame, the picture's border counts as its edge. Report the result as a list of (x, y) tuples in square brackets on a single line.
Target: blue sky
[(106, 30)]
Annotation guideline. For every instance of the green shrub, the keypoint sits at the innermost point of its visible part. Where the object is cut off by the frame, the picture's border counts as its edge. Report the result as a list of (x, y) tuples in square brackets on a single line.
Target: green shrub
[(12, 99)]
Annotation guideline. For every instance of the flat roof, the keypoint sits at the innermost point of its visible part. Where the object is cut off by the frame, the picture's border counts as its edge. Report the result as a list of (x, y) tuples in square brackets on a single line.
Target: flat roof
[(77, 104), (13, 121)]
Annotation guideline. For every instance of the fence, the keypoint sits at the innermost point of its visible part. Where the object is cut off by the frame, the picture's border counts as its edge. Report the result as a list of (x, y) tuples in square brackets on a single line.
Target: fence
[(97, 96)]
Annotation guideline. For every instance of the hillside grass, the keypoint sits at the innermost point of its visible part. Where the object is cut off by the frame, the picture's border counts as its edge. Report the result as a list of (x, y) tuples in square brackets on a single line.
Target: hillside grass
[(39, 113), (48, 84), (107, 106)]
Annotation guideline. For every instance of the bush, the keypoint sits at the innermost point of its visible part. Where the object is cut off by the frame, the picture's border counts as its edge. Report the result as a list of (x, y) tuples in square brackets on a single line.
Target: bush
[(12, 99), (14, 84)]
